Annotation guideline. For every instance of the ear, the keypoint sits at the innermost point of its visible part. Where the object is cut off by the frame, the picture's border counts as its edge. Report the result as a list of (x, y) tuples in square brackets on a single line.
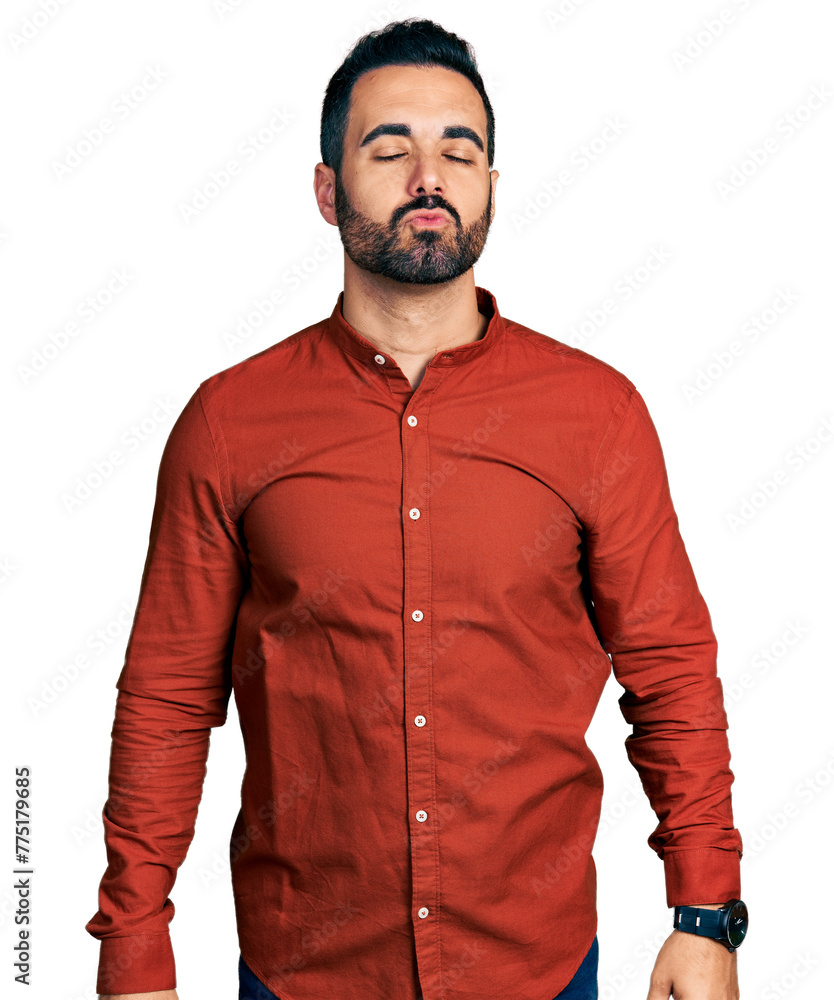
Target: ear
[(493, 179), (324, 184)]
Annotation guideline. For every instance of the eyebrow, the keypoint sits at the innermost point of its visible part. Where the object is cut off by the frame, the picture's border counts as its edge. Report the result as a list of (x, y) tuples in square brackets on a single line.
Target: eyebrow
[(399, 128)]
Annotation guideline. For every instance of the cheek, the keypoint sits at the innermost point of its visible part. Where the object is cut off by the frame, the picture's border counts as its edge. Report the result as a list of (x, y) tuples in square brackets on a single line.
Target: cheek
[(476, 210), (376, 193)]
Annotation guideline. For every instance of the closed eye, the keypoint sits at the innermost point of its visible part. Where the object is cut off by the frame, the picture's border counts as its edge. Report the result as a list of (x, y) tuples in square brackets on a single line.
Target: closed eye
[(396, 156)]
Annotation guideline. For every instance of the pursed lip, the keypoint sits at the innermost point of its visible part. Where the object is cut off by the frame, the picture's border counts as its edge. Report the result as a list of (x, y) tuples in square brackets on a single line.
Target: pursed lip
[(424, 214)]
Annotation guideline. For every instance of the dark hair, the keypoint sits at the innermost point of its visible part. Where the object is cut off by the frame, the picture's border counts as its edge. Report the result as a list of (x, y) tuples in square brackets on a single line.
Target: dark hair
[(412, 42)]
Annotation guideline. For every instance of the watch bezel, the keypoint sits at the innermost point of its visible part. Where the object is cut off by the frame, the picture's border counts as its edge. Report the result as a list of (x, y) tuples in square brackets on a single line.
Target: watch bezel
[(735, 934)]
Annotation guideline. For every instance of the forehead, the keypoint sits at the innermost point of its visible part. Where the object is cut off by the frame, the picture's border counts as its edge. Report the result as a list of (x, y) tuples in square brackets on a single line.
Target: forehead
[(414, 95)]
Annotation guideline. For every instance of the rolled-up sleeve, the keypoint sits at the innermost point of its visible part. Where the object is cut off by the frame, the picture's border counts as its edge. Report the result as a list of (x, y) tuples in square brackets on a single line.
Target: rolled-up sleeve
[(654, 622), (173, 688)]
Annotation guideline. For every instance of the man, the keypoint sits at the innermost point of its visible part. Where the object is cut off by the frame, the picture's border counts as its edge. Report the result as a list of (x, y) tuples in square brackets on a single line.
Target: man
[(414, 538)]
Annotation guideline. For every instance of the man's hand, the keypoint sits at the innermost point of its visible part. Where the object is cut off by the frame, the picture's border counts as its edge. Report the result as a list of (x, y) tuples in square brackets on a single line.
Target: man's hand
[(689, 967), (158, 995)]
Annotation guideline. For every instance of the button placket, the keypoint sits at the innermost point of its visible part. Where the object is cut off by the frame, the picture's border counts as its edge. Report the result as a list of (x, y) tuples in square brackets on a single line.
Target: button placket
[(417, 669)]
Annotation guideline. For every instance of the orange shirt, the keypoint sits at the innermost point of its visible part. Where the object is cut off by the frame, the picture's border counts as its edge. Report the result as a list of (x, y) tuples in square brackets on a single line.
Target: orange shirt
[(417, 597)]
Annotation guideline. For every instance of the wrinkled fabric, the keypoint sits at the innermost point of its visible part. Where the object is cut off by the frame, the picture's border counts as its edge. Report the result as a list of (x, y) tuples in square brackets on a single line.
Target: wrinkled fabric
[(583, 986), (416, 597)]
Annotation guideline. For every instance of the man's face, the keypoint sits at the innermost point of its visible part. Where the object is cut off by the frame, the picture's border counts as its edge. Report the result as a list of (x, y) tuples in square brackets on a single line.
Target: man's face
[(375, 199)]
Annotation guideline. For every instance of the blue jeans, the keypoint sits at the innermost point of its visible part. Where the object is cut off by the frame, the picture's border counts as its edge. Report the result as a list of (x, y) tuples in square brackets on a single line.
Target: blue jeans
[(583, 986)]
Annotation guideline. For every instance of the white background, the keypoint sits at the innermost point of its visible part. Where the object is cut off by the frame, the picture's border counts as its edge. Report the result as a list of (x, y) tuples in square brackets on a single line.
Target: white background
[(759, 424)]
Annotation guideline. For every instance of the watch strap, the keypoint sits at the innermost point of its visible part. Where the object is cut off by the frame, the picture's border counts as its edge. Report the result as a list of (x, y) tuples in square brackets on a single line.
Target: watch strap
[(698, 920)]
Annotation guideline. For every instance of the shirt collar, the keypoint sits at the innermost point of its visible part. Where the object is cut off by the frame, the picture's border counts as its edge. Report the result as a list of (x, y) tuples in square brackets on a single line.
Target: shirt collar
[(359, 347)]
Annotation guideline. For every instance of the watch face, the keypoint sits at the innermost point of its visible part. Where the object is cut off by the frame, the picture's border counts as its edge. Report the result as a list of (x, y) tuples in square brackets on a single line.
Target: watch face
[(737, 923)]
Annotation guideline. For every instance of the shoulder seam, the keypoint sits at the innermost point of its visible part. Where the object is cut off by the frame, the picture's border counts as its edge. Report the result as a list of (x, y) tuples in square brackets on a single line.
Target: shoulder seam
[(220, 470), (566, 351), (624, 403), (272, 348)]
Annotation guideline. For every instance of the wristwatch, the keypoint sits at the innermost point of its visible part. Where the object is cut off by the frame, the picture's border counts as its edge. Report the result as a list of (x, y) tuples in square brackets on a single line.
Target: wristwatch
[(727, 925)]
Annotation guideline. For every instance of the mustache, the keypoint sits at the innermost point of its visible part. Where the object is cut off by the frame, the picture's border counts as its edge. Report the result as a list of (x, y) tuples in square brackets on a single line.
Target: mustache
[(427, 203)]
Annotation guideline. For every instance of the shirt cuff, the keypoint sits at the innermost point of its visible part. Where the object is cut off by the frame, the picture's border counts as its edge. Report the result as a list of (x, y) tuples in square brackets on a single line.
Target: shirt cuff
[(139, 963), (702, 873)]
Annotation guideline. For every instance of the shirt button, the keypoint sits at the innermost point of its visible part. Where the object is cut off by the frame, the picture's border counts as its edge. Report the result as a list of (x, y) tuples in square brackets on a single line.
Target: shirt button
[(417, 616), (412, 420), (419, 720), (422, 816), (423, 912), (379, 359), (414, 513)]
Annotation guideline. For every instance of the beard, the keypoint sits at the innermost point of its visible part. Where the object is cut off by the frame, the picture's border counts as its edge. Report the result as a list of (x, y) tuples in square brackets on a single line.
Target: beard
[(416, 257)]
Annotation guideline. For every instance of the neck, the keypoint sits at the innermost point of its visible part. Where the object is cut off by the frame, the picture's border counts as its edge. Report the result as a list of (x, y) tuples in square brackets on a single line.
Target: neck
[(412, 323)]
